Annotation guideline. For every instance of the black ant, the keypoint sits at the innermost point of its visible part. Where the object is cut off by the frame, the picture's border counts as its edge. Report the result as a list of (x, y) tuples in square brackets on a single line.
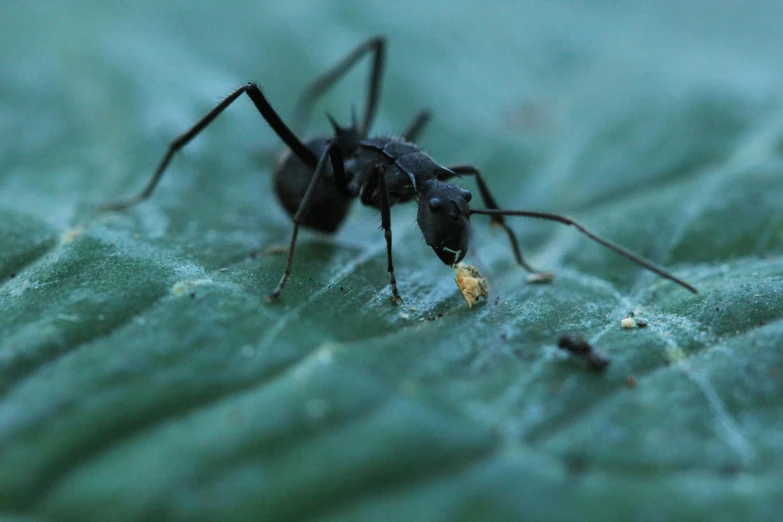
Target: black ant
[(319, 179)]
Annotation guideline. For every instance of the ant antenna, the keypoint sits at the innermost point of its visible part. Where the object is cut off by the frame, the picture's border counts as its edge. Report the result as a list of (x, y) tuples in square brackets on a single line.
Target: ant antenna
[(605, 242)]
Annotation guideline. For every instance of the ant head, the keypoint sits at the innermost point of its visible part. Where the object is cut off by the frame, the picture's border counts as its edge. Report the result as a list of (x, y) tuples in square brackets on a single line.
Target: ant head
[(444, 219)]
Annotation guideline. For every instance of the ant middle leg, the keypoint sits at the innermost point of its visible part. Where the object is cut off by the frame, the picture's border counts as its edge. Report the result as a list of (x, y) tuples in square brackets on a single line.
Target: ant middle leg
[(385, 207), (304, 108), (490, 203), (331, 153), (263, 106)]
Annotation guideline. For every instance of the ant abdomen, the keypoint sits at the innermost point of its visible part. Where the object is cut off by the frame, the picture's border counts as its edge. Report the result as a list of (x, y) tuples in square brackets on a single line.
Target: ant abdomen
[(292, 177)]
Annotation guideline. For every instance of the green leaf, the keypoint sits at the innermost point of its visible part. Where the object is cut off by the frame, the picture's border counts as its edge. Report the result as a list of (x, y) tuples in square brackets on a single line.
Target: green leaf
[(144, 377)]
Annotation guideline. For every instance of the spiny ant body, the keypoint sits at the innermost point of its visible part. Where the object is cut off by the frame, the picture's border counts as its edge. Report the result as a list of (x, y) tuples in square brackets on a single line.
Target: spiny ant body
[(318, 180)]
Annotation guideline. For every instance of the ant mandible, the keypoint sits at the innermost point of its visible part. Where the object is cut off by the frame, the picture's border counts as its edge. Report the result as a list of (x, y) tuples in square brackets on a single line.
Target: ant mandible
[(319, 179)]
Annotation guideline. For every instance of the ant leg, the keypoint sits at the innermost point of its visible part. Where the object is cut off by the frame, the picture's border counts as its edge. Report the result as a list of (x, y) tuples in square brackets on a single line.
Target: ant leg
[(377, 46), (387, 232), (496, 219), (332, 153), (417, 125), (263, 106), (649, 265)]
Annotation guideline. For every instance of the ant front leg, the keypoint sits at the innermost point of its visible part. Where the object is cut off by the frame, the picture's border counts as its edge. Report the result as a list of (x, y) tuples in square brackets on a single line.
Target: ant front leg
[(383, 192), (332, 153), (499, 220)]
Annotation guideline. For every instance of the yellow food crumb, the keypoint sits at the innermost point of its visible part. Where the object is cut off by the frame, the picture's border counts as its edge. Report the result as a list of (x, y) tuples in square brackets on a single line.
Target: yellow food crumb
[(470, 283)]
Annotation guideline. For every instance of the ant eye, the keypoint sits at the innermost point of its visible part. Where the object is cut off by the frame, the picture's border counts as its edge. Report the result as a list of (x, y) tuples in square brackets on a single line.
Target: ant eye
[(466, 195), (436, 204)]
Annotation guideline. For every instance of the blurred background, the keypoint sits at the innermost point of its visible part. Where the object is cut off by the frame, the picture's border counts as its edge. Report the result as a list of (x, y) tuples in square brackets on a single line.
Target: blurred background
[(530, 91)]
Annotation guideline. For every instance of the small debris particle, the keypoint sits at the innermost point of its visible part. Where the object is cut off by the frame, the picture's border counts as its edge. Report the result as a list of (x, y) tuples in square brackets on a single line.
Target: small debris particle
[(342, 289), (628, 322), (579, 347), (641, 323), (12, 275), (187, 287), (470, 283), (412, 308), (71, 234), (630, 381), (179, 287), (223, 270), (539, 278), (674, 353), (404, 315), (275, 250), (440, 315)]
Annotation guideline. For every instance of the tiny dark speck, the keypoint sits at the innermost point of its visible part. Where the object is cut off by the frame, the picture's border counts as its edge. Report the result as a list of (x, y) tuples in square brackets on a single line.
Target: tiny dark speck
[(717, 309), (193, 295), (12, 275)]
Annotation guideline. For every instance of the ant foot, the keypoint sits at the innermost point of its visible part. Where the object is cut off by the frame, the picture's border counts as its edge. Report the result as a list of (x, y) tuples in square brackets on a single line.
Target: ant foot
[(540, 277), (115, 206), (273, 297)]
